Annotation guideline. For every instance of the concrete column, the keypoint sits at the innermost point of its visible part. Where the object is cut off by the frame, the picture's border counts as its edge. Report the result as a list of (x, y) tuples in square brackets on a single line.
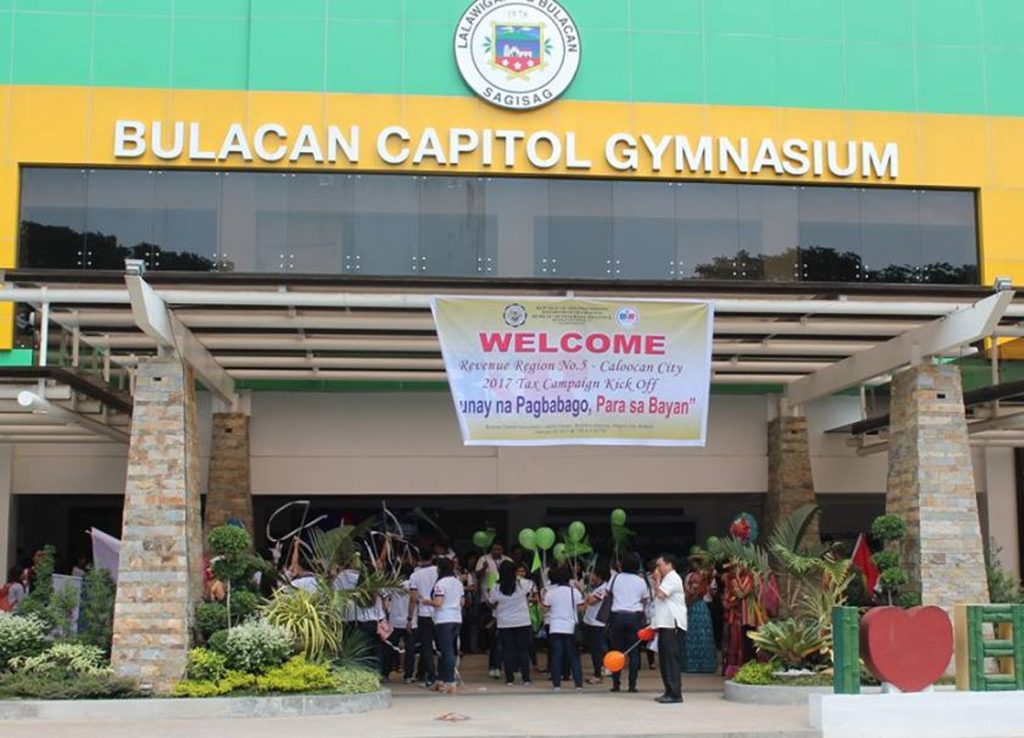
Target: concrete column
[(160, 577), (8, 524), (1001, 496), (228, 489), (790, 483), (931, 486)]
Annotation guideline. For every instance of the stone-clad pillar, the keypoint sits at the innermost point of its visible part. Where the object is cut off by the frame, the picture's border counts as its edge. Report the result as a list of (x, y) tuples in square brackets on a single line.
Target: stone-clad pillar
[(228, 491), (931, 486), (790, 484), (160, 576)]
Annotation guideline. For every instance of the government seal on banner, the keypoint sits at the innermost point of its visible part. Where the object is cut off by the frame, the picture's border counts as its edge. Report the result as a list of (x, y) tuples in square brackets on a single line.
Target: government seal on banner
[(556, 371)]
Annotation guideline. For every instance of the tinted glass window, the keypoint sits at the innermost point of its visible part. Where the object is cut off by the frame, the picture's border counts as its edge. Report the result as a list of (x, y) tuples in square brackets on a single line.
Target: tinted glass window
[(414, 225)]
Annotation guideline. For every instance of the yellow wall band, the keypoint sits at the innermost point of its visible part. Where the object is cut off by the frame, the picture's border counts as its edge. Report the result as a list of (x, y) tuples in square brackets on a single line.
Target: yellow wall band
[(42, 125)]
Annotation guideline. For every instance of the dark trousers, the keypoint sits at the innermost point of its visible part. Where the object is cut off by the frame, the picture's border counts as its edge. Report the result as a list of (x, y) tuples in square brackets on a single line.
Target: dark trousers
[(447, 642), (426, 628), (401, 638), (596, 646), (624, 626), (565, 655), (515, 651), (670, 657), (369, 629)]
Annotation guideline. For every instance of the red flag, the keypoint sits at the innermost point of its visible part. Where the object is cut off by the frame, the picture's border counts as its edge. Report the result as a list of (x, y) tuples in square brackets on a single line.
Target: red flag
[(862, 560)]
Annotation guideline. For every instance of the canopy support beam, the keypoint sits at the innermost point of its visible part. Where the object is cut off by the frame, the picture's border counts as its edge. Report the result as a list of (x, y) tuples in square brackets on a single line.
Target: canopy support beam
[(155, 320), (941, 335)]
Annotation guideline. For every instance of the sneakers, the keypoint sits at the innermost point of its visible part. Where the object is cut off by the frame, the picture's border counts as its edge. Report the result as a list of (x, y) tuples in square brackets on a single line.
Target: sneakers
[(494, 673), (556, 689)]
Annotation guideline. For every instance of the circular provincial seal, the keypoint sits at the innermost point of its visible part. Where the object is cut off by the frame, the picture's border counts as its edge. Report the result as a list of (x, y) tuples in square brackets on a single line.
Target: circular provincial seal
[(515, 315), (517, 54)]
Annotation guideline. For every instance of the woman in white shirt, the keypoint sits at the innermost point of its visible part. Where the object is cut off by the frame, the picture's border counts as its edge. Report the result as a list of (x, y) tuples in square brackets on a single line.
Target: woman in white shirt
[(629, 602), (510, 598), (595, 630), (403, 631), (448, 600), (367, 619), (562, 603)]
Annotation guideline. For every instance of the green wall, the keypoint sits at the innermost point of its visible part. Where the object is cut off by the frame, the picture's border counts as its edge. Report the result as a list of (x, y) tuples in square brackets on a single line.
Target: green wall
[(942, 56)]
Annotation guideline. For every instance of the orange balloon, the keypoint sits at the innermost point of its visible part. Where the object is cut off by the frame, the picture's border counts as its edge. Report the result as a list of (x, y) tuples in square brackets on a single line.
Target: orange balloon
[(614, 661)]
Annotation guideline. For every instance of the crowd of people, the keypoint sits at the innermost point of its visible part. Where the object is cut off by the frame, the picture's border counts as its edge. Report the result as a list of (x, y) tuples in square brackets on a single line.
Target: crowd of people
[(515, 611)]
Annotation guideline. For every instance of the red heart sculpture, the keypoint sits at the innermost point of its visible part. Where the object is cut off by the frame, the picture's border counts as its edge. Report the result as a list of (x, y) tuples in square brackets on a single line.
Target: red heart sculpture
[(910, 649)]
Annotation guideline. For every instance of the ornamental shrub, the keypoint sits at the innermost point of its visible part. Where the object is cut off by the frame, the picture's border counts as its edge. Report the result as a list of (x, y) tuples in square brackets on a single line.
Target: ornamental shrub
[(229, 540), (243, 605), (356, 681), (889, 528), (48, 686), (53, 608), (232, 560), (217, 642), (206, 666), (64, 660), (231, 682), (256, 646), (298, 675), (886, 560), (37, 601), (21, 635), (211, 617), (754, 672), (96, 621)]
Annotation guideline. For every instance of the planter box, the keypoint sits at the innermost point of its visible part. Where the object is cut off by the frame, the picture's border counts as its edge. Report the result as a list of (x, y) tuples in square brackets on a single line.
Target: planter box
[(945, 714), (778, 694), (159, 708), (771, 694)]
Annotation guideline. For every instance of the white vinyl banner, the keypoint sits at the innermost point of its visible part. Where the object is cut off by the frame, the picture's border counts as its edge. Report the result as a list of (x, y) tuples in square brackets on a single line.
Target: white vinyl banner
[(549, 371)]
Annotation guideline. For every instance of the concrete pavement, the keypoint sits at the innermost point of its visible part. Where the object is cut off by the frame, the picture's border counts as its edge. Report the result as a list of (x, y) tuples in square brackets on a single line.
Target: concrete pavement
[(477, 715)]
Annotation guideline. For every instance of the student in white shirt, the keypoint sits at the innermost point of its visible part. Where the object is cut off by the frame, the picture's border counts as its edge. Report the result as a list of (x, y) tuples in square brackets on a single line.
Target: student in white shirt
[(629, 600), (562, 602), (345, 581), (367, 620), (511, 600), (421, 588), (304, 581), (595, 630), (669, 620), (448, 600), (403, 632), (486, 572)]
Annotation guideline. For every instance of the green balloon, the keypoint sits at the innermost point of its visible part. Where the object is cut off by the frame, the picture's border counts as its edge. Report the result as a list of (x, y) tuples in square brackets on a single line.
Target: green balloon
[(545, 538), (576, 531), (528, 539), (618, 516), (481, 539), (559, 551)]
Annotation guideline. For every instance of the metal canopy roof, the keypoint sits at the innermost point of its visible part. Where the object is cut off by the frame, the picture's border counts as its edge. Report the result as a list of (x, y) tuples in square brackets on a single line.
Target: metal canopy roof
[(252, 329), (58, 405)]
